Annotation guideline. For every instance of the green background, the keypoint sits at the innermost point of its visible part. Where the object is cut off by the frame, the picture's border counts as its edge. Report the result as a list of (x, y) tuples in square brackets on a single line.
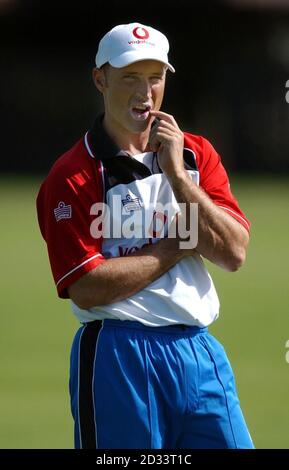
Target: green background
[(37, 328)]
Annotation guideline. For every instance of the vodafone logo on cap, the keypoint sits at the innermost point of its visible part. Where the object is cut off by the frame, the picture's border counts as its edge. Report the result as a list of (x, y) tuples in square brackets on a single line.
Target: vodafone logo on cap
[(140, 33)]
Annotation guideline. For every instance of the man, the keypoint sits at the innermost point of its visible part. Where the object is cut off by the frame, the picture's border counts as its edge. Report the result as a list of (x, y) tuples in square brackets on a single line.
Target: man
[(145, 372)]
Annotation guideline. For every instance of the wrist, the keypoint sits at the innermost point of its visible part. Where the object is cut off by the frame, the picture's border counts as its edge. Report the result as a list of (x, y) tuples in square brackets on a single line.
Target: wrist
[(178, 177)]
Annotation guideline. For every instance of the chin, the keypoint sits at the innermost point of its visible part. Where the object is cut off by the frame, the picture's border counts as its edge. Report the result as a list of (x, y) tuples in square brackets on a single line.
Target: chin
[(139, 126)]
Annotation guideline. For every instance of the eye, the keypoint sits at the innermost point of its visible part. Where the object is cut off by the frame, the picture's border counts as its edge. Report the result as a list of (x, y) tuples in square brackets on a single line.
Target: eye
[(156, 80), (129, 79)]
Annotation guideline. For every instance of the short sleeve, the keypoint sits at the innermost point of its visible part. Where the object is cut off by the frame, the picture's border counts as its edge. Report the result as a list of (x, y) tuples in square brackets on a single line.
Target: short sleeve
[(63, 208), (215, 182)]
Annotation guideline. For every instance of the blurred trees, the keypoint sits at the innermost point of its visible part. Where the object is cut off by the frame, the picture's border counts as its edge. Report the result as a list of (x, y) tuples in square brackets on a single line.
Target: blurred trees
[(230, 83)]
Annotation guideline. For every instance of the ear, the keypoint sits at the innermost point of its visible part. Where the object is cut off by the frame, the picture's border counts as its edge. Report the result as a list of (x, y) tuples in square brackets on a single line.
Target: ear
[(98, 77)]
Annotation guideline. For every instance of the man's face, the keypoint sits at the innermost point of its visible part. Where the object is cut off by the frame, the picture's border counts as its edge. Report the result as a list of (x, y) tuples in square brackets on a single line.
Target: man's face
[(131, 92)]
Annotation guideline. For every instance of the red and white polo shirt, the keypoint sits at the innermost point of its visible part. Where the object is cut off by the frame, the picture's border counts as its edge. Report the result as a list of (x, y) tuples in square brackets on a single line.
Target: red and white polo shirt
[(96, 171)]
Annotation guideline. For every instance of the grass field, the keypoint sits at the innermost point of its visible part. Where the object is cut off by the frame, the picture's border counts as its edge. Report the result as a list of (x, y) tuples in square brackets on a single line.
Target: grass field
[(37, 328)]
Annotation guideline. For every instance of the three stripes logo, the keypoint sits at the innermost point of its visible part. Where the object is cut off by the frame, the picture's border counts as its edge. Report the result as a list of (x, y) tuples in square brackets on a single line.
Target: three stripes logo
[(62, 211)]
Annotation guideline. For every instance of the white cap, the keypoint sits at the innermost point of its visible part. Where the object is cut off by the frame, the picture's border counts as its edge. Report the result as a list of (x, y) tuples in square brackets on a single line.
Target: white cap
[(129, 43)]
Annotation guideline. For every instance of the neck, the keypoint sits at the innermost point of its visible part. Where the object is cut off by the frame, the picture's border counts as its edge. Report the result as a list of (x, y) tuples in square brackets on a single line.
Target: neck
[(132, 143)]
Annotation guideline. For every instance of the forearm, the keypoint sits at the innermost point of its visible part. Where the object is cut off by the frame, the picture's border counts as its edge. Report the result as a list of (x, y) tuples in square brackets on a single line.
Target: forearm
[(119, 278), (221, 239)]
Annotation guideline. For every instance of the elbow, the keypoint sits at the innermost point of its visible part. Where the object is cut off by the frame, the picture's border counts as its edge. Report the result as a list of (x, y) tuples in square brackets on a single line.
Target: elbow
[(236, 259), (82, 298), (90, 290), (82, 302), (88, 298)]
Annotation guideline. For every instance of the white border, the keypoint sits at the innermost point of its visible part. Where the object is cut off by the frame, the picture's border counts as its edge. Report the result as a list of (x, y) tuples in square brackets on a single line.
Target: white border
[(78, 386), (93, 376), (87, 146), (77, 267), (92, 156), (102, 177), (194, 154), (233, 212)]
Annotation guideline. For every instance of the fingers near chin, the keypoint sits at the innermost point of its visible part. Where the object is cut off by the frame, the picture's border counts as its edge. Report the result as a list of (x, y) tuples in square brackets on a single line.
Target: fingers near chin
[(162, 115)]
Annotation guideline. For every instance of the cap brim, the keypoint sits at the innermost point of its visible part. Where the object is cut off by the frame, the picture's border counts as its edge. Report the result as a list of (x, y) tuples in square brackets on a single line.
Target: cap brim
[(131, 57)]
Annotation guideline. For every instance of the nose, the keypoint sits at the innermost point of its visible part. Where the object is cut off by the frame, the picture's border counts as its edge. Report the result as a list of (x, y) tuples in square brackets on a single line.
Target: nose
[(144, 89)]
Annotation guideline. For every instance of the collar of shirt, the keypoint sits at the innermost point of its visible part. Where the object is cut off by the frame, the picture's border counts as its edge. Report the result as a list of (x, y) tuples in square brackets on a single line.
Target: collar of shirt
[(101, 144)]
